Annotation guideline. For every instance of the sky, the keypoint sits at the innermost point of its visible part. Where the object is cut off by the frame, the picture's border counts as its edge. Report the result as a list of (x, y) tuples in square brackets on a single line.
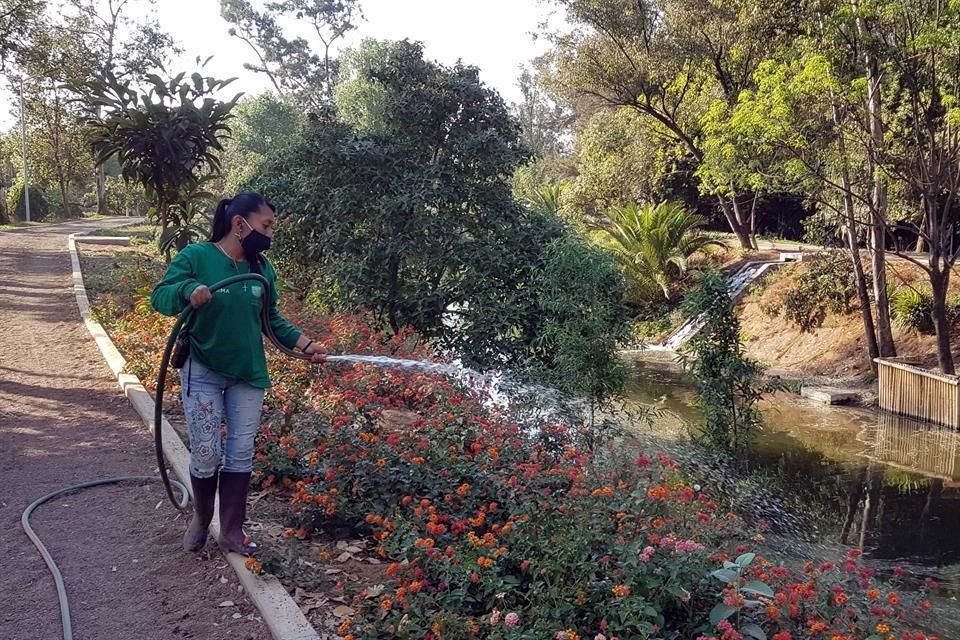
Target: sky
[(495, 35)]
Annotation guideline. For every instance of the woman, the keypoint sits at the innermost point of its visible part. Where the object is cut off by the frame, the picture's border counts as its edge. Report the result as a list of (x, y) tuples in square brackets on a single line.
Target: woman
[(226, 373)]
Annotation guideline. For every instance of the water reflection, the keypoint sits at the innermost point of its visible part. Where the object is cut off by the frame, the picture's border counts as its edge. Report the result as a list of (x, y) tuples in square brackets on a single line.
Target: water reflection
[(888, 485)]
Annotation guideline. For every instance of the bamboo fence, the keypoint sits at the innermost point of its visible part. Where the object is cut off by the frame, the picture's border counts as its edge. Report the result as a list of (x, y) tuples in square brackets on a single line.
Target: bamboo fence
[(925, 395), (905, 444)]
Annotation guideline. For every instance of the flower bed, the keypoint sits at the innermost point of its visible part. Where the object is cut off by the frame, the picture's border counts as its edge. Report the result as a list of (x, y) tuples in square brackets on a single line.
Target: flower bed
[(480, 529)]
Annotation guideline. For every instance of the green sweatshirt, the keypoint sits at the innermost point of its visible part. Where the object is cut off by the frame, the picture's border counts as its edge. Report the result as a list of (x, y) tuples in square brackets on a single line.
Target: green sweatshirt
[(225, 335)]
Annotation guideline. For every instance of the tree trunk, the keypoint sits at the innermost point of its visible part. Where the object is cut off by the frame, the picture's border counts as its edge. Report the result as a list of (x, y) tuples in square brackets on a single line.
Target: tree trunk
[(64, 196), (888, 348), (939, 282), (863, 295), (393, 283), (102, 207), (736, 225), (878, 203)]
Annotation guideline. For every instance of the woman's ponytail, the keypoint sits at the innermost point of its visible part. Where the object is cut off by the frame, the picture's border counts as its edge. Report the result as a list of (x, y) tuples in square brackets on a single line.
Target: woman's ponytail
[(221, 221)]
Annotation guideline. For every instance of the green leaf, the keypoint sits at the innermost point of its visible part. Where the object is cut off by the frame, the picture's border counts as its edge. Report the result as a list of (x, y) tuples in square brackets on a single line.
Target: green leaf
[(725, 575), (721, 612), (753, 631), (746, 559), (758, 588)]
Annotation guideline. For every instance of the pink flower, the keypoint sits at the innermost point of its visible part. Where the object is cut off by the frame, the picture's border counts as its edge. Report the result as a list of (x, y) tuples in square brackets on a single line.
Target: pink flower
[(599, 636), (511, 619), (495, 617), (688, 546), (647, 554)]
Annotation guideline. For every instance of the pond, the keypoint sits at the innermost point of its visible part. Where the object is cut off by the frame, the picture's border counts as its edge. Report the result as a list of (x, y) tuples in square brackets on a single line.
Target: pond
[(824, 479)]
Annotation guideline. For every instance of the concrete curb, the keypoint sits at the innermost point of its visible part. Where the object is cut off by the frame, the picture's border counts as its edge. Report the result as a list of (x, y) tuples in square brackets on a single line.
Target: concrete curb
[(278, 610)]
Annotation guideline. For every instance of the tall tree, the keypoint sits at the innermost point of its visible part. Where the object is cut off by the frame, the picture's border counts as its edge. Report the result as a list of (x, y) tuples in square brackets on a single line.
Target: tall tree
[(262, 127), (920, 43), (404, 207), (297, 72), (668, 59), (793, 128), (18, 22), (60, 157), (168, 138), (108, 36), (547, 123)]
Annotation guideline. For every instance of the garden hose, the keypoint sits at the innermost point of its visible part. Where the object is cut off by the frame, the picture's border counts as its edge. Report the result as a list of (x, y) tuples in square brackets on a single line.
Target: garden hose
[(48, 559), (181, 502)]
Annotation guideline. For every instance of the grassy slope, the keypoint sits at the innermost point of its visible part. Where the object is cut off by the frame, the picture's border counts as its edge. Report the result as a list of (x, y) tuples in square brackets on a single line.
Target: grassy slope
[(837, 349)]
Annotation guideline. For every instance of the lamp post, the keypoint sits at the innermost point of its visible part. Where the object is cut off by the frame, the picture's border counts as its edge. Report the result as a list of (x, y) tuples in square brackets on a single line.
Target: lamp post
[(26, 171)]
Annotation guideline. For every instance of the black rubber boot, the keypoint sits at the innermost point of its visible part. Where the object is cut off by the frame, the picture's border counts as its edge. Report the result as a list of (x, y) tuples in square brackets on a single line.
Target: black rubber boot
[(204, 495), (233, 511)]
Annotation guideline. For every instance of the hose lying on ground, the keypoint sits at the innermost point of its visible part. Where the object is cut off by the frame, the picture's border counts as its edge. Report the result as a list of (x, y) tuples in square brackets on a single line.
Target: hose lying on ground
[(181, 502)]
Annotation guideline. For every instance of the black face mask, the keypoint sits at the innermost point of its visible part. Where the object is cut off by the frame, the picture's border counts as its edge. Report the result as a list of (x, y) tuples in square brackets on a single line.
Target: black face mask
[(254, 243)]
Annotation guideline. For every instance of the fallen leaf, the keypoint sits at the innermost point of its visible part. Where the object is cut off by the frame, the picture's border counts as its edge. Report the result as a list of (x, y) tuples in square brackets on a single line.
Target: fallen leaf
[(343, 557), (227, 603), (343, 611)]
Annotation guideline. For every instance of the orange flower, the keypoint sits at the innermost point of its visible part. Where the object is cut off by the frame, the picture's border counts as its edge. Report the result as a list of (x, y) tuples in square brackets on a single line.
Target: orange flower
[(386, 604), (621, 591), (883, 627), (463, 489), (393, 569), (659, 492), (873, 594), (485, 562), (252, 565), (840, 598), (893, 598), (344, 627)]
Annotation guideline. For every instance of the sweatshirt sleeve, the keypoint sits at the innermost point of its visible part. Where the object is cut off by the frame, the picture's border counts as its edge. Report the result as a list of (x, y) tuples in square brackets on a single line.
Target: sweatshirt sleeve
[(286, 333), (172, 293)]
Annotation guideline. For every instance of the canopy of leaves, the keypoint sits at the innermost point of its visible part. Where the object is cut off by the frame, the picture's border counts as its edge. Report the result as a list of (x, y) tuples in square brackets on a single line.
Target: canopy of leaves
[(261, 126), (405, 209), (298, 73), (166, 138)]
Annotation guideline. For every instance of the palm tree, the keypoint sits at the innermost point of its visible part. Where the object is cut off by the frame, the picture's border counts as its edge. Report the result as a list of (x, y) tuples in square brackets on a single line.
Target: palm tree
[(653, 243)]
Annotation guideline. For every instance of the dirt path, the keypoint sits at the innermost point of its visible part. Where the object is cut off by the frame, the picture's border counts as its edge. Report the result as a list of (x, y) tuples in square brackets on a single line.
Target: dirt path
[(63, 420)]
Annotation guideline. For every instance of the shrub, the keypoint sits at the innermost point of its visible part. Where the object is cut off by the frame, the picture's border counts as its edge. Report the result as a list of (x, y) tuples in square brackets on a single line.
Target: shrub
[(912, 309), (16, 204), (728, 381), (653, 245), (584, 324), (827, 285)]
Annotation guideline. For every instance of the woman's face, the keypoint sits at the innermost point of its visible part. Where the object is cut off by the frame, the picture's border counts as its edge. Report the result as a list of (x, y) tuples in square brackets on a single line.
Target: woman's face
[(263, 220)]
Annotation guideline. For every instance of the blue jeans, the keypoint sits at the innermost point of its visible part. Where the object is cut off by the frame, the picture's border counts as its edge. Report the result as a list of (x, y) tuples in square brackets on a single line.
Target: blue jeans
[(208, 397)]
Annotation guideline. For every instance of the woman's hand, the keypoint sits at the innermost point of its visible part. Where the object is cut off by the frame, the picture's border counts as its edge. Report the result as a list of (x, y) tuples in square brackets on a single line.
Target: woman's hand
[(319, 353), (200, 296)]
